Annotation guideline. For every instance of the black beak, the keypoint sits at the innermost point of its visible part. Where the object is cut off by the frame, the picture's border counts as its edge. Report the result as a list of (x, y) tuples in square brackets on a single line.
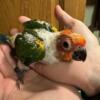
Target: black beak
[(80, 54)]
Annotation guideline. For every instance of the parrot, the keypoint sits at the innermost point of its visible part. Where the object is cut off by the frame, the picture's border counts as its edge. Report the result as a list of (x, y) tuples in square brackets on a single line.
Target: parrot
[(41, 42)]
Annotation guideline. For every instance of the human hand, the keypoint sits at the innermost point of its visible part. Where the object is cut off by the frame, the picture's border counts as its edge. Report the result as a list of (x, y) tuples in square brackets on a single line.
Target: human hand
[(35, 87), (84, 75)]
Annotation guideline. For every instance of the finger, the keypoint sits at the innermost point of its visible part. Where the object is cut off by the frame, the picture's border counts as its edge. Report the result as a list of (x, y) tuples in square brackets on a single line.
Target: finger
[(5, 68), (44, 70), (14, 31), (63, 17), (53, 72), (66, 19), (40, 69), (23, 19), (7, 52)]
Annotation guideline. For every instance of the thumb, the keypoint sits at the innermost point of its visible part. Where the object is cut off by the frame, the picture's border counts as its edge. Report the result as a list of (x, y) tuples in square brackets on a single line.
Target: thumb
[(23, 19), (63, 17), (76, 25)]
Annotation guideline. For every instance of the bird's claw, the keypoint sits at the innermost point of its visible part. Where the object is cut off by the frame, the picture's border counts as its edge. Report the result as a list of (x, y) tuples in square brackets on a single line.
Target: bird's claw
[(20, 76)]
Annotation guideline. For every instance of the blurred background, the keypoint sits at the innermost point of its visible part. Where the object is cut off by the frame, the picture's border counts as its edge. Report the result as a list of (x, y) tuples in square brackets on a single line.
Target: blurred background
[(92, 16), (87, 11)]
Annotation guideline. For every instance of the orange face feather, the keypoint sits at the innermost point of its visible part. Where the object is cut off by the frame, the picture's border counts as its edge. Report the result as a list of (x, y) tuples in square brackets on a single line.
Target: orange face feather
[(68, 42), (76, 38)]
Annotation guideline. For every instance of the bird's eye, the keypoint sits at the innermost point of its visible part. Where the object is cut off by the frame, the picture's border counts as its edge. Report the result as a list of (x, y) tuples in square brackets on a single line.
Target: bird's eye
[(64, 44)]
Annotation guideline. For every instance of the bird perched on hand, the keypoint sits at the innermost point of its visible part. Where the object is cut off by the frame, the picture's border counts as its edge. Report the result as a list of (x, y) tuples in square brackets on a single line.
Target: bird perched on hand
[(41, 42)]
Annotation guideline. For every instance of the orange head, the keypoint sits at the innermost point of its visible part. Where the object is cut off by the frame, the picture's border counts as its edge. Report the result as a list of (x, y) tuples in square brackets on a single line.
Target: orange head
[(71, 45)]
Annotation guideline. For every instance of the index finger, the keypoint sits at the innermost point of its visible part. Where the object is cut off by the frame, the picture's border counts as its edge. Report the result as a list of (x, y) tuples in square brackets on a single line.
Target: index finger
[(23, 19)]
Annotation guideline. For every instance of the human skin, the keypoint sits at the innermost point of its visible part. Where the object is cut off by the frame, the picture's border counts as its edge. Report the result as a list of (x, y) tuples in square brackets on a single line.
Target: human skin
[(35, 87), (65, 76), (84, 75)]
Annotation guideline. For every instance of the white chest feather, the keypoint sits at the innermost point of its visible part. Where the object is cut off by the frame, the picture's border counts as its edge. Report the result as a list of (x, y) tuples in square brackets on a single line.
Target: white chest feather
[(50, 45)]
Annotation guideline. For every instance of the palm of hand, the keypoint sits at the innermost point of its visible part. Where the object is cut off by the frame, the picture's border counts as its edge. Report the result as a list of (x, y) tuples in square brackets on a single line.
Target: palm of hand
[(7, 75), (8, 87), (35, 87)]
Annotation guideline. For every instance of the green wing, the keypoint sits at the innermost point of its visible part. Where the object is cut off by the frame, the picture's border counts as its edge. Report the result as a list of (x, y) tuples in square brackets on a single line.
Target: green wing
[(37, 24), (29, 48)]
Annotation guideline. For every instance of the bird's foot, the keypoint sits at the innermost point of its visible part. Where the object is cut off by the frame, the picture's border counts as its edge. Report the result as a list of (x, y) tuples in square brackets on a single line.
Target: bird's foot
[(20, 76)]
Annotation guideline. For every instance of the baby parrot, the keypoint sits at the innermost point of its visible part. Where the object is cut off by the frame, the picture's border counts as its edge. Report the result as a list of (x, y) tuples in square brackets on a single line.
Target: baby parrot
[(54, 46), (41, 42)]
